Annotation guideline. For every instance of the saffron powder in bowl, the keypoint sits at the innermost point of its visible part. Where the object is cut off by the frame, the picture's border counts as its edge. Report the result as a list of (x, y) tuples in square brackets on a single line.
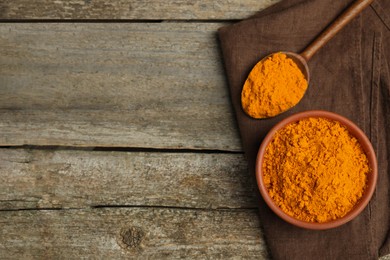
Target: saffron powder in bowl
[(316, 170)]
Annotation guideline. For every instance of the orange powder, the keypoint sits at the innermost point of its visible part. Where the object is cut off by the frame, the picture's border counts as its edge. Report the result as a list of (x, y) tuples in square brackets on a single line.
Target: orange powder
[(272, 87), (314, 170)]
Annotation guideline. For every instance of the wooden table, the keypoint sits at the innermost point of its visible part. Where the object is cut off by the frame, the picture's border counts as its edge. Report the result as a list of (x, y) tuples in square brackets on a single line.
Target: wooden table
[(118, 139)]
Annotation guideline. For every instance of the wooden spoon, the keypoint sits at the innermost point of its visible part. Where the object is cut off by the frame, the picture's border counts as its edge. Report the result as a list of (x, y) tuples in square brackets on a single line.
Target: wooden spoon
[(302, 58)]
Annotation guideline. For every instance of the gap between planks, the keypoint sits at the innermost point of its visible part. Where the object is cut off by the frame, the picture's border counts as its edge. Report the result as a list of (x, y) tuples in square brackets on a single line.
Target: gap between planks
[(122, 149), (103, 21), (135, 207)]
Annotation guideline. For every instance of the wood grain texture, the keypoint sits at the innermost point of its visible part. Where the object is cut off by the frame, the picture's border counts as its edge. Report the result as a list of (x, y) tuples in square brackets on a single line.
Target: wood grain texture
[(133, 233), (158, 85), (131, 9), (79, 179)]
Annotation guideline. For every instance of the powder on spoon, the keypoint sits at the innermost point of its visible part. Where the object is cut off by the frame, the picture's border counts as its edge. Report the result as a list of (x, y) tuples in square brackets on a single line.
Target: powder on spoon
[(273, 86)]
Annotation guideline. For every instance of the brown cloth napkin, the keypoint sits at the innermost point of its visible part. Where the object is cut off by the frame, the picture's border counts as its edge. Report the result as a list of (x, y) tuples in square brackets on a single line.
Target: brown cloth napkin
[(350, 76)]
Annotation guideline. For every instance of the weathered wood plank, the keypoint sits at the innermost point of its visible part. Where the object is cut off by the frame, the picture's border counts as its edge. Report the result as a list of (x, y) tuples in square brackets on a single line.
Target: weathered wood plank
[(124, 85), (131, 9), (138, 233), (78, 179)]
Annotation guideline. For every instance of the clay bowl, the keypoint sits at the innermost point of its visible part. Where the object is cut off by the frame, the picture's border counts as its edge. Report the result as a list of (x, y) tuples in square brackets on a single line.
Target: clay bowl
[(365, 144)]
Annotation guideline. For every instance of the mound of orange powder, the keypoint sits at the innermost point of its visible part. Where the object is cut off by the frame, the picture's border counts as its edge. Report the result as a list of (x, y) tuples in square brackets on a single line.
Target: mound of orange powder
[(273, 86), (314, 170)]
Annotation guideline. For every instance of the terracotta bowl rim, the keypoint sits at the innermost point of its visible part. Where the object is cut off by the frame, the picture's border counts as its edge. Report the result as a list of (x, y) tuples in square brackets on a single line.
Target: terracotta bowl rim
[(365, 144)]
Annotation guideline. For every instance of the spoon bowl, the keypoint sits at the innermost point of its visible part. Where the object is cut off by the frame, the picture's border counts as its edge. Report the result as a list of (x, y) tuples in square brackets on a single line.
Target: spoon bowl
[(276, 84)]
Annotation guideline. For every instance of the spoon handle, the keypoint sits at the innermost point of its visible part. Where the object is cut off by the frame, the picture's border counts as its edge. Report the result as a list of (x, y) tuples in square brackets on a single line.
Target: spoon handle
[(335, 27)]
